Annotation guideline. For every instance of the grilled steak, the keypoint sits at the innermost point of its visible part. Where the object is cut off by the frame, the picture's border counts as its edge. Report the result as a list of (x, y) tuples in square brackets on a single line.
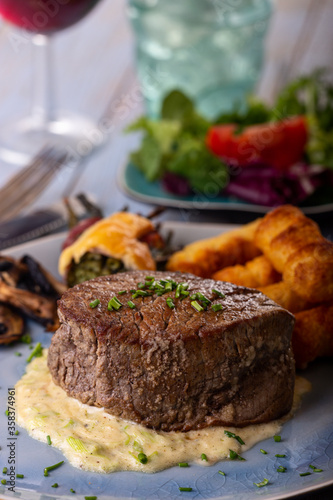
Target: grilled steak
[(175, 368)]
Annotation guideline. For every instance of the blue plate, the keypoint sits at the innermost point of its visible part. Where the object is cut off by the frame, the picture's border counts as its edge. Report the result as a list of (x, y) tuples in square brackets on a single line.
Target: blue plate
[(306, 439), (132, 182)]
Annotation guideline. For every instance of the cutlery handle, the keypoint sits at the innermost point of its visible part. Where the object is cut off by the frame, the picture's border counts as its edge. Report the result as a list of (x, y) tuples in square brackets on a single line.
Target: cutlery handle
[(29, 227)]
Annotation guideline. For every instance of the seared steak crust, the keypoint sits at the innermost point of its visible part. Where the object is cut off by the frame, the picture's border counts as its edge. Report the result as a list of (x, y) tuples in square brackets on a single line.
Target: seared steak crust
[(175, 369)]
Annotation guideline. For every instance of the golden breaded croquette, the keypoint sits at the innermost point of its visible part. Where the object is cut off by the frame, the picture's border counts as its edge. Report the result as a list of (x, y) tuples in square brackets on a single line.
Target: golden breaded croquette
[(313, 334), (309, 271), (255, 273), (284, 231), (205, 257), (283, 295)]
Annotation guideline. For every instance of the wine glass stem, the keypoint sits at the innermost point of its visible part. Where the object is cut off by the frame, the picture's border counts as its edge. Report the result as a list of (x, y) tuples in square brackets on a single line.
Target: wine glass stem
[(43, 80)]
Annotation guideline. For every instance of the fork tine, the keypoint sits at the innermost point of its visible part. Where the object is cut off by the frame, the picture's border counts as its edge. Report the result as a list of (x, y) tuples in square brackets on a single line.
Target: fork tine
[(41, 172), (26, 172)]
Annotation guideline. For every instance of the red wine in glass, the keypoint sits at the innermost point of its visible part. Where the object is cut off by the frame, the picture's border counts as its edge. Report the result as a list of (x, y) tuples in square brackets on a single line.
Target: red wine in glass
[(45, 16), (46, 125)]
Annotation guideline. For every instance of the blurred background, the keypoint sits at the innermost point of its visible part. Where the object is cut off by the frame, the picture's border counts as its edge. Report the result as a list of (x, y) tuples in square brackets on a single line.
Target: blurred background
[(92, 57)]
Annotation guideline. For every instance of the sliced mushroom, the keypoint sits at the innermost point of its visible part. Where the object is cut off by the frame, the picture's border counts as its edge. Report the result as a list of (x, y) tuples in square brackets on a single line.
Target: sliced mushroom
[(11, 325), (37, 307), (11, 270), (39, 280)]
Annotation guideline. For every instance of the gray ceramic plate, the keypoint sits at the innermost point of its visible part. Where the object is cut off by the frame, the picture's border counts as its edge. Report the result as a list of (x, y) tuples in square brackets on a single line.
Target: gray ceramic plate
[(307, 439)]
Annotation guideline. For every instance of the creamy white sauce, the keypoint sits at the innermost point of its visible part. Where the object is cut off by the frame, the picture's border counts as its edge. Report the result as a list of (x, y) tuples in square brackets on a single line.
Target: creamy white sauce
[(93, 440)]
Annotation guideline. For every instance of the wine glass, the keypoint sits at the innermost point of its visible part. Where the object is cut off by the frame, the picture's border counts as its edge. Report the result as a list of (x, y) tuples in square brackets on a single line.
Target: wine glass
[(45, 126)]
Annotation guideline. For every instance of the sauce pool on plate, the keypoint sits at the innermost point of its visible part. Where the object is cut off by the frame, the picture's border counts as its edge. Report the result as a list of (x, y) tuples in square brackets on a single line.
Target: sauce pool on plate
[(94, 440)]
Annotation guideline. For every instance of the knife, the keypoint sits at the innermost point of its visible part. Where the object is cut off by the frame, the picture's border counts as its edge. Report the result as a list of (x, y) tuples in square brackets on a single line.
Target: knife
[(39, 223)]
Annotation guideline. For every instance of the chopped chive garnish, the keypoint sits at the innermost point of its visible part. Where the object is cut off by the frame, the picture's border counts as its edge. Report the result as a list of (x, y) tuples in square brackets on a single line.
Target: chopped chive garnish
[(16, 433), (48, 439), (94, 303), (234, 456), (122, 292), (7, 413), (233, 435), (193, 296), (90, 498), (263, 451), (281, 469), (141, 285), (170, 303), (37, 351), (4, 470), (219, 294), (72, 491), (184, 293), (315, 469), (217, 307), (77, 444), (178, 290), (149, 278), (26, 339), (158, 286), (114, 303), (20, 476), (262, 483), (183, 464), (55, 485), (203, 299), (181, 488), (196, 305), (280, 456), (143, 459), (222, 473), (18, 354), (305, 474), (204, 457), (3, 481), (52, 467), (140, 293), (277, 439), (131, 304)]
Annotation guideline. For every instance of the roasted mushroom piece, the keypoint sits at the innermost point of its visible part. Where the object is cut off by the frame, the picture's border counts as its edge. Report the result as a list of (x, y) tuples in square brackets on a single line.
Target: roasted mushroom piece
[(38, 280), (11, 325), (37, 307), (11, 270)]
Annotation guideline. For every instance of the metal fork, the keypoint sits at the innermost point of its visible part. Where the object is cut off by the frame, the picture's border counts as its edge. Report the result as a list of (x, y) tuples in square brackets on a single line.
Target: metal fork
[(28, 183)]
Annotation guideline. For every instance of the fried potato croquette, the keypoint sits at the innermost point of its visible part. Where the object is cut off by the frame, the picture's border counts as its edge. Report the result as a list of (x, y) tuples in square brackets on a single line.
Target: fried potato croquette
[(283, 295), (310, 271), (313, 334), (298, 250), (284, 231), (205, 257), (255, 273)]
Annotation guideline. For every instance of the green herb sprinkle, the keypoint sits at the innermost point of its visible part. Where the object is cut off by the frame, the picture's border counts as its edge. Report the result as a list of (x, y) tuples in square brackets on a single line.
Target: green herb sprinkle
[(262, 483), (94, 303)]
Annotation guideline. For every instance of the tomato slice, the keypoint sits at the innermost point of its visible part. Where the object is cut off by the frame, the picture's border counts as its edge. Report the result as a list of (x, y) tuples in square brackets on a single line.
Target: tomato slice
[(279, 144)]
